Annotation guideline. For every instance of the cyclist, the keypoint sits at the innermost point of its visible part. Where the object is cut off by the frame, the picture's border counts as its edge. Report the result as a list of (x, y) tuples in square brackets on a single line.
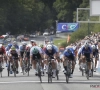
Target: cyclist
[(13, 53), (35, 52), (15, 44), (95, 55), (87, 55), (69, 55), (50, 52), (2, 52), (27, 53), (58, 56), (22, 49)]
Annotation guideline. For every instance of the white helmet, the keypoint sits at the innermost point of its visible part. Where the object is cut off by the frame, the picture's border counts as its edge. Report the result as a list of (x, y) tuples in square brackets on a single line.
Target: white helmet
[(24, 43), (93, 47), (86, 45), (49, 47), (0, 45), (14, 42)]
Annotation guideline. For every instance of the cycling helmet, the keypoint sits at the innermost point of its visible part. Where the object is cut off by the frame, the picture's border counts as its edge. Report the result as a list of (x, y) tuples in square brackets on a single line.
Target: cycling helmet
[(86, 45), (49, 47), (41, 45), (24, 43), (9, 45), (35, 51), (93, 47), (0, 45), (13, 48), (14, 42), (33, 41)]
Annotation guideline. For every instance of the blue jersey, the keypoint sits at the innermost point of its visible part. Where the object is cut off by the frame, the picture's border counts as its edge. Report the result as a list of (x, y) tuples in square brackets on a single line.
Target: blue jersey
[(86, 51), (69, 52), (50, 53), (8, 47), (16, 46)]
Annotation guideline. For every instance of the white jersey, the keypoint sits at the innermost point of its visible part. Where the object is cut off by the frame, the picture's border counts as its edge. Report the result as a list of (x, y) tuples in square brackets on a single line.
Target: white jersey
[(39, 49), (17, 51), (22, 48)]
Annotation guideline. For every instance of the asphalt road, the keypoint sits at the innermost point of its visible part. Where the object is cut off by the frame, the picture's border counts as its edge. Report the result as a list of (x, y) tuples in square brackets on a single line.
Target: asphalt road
[(31, 82)]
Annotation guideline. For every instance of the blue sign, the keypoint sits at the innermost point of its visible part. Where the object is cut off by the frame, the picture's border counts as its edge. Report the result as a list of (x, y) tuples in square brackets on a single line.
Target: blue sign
[(67, 27)]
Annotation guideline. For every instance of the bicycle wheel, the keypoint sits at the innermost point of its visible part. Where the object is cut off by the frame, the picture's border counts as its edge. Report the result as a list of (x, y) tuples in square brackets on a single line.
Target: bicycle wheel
[(23, 67), (82, 72), (8, 69), (67, 75), (39, 72), (92, 69), (14, 68), (57, 72), (1, 69), (50, 73), (28, 67), (87, 72)]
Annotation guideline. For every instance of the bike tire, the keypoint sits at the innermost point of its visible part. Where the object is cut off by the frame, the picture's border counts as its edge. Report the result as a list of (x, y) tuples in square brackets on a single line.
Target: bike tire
[(57, 72), (28, 67), (23, 67), (50, 73), (67, 78), (8, 68), (92, 70), (82, 72), (14, 68), (1, 69), (39, 73), (67, 73), (87, 75)]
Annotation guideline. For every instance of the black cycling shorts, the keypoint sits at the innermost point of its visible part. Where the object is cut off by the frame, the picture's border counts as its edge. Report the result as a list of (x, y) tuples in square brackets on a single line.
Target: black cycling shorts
[(36, 56), (21, 54), (71, 57), (15, 56), (87, 56)]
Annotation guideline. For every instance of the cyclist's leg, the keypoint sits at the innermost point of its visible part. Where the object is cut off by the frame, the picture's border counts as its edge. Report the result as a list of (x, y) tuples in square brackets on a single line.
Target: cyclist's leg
[(11, 63), (34, 62), (89, 64), (96, 59), (42, 62), (21, 58), (54, 65), (65, 59)]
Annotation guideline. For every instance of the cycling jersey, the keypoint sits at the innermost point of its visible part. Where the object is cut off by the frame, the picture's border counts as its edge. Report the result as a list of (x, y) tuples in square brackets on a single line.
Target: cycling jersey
[(56, 48), (2, 50), (22, 48), (50, 53), (38, 48), (88, 50), (69, 53)]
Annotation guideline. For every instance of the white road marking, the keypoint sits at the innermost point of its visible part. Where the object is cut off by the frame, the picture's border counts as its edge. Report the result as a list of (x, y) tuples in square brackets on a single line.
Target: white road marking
[(47, 82)]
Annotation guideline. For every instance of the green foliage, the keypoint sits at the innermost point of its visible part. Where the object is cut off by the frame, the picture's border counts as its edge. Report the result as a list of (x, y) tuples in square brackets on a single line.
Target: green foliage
[(26, 16)]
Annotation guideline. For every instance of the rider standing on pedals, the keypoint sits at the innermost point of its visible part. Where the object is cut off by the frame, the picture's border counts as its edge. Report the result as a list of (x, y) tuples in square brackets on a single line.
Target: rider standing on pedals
[(87, 55), (69, 55), (50, 51), (35, 52), (13, 52)]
